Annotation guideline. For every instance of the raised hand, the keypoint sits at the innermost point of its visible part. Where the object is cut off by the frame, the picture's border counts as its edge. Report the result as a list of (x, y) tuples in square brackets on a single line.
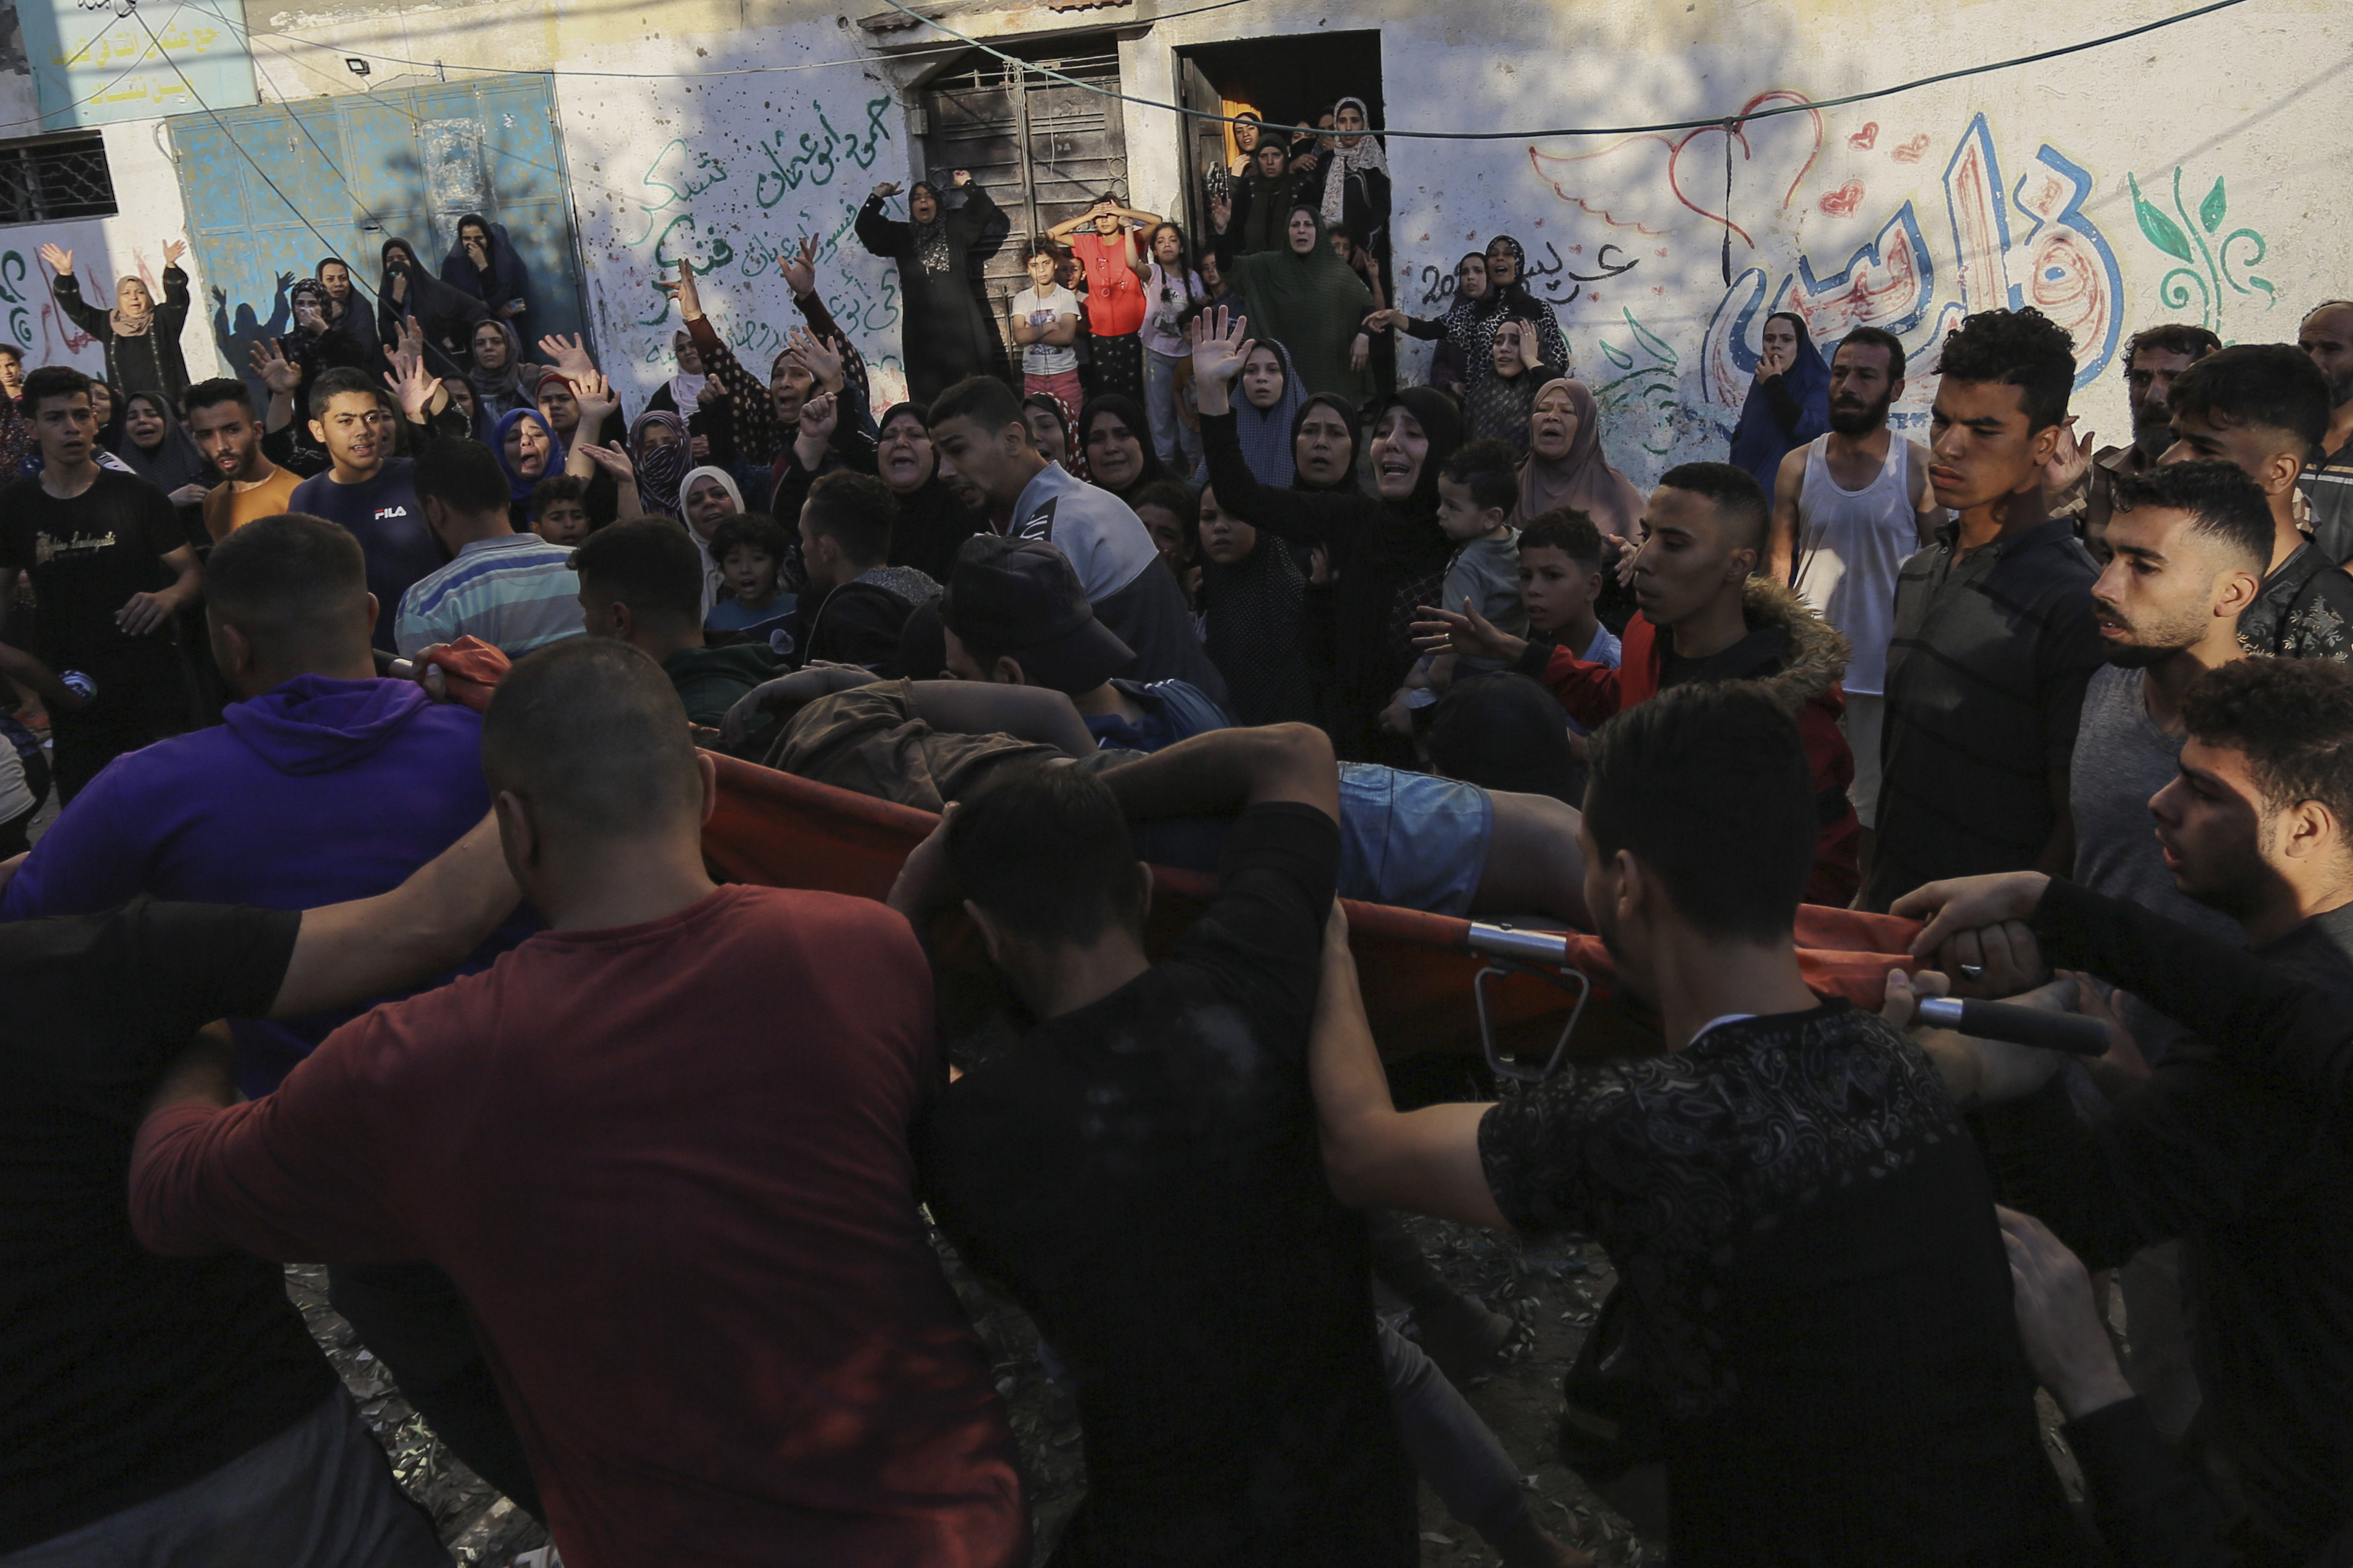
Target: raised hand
[(172, 250), (1221, 212), (960, 178), (612, 459), (799, 269), (711, 394), (884, 191), (821, 359), (61, 261), (569, 355), (1219, 345), (277, 372), (689, 300), (285, 281), (598, 401), (2069, 460), (820, 417), (218, 296), (414, 385), (412, 337)]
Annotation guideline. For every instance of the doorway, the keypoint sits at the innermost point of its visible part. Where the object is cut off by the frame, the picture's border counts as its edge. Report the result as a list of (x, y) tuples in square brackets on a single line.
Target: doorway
[(1043, 150), (1288, 79)]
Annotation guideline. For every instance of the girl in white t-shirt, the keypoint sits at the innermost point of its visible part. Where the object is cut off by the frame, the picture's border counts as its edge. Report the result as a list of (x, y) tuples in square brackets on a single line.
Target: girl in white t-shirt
[(1046, 323), (1172, 294)]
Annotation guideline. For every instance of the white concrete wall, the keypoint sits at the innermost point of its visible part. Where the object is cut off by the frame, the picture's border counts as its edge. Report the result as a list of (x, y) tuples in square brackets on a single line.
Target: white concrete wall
[(130, 243)]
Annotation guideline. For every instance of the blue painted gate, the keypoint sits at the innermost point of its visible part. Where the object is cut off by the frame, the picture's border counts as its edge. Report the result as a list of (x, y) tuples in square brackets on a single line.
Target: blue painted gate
[(351, 171)]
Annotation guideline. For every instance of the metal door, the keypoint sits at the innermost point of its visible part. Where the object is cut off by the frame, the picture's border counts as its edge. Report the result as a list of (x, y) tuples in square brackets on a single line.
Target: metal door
[(272, 189), (1205, 144), (1042, 149)]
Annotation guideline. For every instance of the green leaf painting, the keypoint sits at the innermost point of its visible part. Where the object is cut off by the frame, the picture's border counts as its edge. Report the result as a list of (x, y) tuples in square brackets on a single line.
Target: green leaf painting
[(2162, 231), (2211, 210)]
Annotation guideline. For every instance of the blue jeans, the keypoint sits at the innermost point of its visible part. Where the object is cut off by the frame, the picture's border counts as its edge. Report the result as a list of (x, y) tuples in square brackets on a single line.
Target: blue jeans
[(1178, 446)]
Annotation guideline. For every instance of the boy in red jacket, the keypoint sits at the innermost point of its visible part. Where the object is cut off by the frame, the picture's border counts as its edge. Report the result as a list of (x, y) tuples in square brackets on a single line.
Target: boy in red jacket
[(1703, 538)]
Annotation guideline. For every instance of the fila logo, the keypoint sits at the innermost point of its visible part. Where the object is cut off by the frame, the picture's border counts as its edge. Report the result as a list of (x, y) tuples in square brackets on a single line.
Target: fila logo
[(383, 512)]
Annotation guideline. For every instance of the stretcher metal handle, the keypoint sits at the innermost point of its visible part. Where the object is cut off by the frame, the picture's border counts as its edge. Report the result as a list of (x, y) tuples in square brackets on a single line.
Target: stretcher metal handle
[(1506, 948)]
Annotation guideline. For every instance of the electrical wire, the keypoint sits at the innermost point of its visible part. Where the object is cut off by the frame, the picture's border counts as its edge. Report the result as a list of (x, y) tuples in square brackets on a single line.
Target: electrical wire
[(93, 98), (1726, 121)]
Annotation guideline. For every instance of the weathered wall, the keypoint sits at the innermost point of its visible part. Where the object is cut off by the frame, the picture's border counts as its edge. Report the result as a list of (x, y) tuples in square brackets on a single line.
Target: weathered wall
[(147, 197)]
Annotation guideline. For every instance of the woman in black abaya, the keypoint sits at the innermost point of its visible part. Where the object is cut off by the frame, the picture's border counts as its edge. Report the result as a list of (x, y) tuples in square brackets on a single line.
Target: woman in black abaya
[(947, 338)]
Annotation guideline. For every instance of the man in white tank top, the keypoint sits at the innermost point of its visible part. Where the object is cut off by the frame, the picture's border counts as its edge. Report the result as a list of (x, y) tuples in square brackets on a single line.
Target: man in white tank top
[(1849, 508)]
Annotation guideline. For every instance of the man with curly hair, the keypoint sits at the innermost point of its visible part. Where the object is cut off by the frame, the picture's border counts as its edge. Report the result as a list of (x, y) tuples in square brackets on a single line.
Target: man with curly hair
[(1994, 633)]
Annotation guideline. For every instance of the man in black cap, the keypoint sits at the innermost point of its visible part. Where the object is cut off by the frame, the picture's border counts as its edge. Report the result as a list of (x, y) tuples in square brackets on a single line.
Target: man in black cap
[(1015, 615)]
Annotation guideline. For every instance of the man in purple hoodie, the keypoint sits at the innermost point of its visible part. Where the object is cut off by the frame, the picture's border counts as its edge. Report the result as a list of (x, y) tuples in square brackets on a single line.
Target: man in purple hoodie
[(325, 783)]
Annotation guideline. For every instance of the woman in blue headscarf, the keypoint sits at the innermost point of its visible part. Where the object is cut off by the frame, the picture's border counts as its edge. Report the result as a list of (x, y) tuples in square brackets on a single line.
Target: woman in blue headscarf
[(1788, 402), (527, 451)]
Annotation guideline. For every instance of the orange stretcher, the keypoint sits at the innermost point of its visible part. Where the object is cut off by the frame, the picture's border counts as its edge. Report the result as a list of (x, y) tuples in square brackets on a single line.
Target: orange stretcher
[(1431, 982), (1521, 996)]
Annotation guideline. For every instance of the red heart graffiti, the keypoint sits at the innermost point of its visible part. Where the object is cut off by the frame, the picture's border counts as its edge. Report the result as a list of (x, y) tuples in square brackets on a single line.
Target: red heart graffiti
[(1865, 140), (1911, 151), (1844, 200), (1786, 95)]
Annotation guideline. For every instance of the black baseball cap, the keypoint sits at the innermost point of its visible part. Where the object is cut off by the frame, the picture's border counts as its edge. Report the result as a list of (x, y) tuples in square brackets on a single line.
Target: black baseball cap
[(1021, 597)]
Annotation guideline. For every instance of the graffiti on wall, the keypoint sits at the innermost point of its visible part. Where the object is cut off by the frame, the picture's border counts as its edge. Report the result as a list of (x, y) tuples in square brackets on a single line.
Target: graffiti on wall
[(2210, 264), (735, 192), (2002, 245)]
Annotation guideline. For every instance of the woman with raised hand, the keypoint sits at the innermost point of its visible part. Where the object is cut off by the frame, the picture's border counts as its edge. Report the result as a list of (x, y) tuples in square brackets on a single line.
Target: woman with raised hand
[(946, 336), (142, 338), (1385, 548), (1789, 401)]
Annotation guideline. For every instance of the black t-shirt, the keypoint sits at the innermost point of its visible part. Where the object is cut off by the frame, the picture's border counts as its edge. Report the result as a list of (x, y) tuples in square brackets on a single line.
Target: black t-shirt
[(123, 1374), (1821, 1299), (1142, 1175), (87, 556)]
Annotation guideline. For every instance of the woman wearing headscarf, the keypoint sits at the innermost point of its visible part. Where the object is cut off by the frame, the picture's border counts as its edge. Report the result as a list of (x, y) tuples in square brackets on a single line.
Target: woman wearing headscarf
[(1386, 550), (497, 373), (933, 523), (1355, 197), (657, 446), (708, 417), (1507, 283), (1469, 322), (528, 451), (1054, 430), (1250, 220), (947, 337), (482, 262), (1266, 414), (1324, 445), (1789, 400), (348, 314), (1502, 394), (161, 452), (141, 338), (1116, 441), (447, 317), (1252, 603), (1307, 299), (1564, 466), (705, 495)]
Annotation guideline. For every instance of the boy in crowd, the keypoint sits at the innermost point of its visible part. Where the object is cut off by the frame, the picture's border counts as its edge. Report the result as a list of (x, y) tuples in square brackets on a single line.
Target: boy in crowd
[(1994, 637), (367, 488), (983, 441), (1477, 488), (559, 509), (1560, 583), (641, 583), (751, 549), (629, 1158), (514, 591), (175, 1409), (221, 423), (1046, 326), (111, 569), (1014, 612), (2264, 407), (2233, 1142), (1829, 1362), (1704, 616), (858, 604), (1139, 1170)]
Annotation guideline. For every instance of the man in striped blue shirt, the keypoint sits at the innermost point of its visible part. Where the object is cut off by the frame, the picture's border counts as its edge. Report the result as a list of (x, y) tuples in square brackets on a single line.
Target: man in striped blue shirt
[(514, 591)]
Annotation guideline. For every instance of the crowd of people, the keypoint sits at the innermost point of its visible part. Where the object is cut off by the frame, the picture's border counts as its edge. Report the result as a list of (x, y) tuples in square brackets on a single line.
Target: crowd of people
[(635, 1181)]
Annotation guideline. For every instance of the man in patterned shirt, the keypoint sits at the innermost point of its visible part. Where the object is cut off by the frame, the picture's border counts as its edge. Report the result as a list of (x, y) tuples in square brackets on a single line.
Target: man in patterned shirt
[(1814, 1289), (2264, 408)]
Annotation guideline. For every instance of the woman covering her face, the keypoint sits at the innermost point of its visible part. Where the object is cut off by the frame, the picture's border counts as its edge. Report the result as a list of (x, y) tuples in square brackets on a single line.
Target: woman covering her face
[(1789, 401)]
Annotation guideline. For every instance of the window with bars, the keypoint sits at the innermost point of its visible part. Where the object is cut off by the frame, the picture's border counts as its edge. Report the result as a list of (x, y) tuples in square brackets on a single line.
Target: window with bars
[(54, 178)]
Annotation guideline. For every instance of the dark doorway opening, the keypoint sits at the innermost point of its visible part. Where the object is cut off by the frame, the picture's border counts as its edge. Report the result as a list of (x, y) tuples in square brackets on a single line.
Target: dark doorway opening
[(1288, 79), (1043, 150)]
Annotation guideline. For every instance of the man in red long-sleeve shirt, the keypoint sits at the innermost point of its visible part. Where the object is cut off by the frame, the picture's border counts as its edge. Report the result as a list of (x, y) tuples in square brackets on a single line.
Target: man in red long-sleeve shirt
[(1703, 536), (662, 1150)]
